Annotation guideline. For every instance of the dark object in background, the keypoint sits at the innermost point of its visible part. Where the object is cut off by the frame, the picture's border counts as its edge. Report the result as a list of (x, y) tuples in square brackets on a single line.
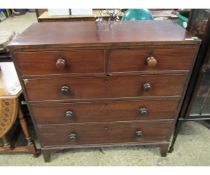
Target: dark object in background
[(199, 25), (18, 12), (5, 56), (5, 38), (196, 106), (198, 22)]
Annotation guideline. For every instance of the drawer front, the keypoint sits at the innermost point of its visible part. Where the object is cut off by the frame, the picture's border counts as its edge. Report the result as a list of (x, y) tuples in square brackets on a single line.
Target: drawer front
[(59, 62), (61, 113), (126, 132), (122, 60), (107, 87)]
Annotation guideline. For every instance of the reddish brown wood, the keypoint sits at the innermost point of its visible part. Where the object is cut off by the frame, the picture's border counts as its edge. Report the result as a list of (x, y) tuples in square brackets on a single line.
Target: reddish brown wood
[(106, 87), (164, 149), (103, 111), (76, 61), (177, 58), (79, 34), (87, 98), (47, 154), (102, 133)]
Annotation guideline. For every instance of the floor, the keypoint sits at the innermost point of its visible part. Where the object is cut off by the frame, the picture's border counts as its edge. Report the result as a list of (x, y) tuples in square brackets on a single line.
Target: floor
[(192, 146)]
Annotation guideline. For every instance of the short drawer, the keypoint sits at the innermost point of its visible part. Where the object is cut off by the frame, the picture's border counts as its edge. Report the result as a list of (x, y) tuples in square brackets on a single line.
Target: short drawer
[(151, 59), (86, 134), (61, 113), (59, 62), (104, 87)]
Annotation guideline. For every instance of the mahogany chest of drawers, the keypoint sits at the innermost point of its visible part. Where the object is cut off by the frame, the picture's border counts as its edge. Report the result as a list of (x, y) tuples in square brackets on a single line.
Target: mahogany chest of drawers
[(90, 84)]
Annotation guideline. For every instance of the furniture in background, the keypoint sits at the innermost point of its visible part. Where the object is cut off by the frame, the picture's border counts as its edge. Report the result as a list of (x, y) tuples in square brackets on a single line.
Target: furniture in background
[(5, 38), (10, 110), (196, 105), (106, 84), (105, 14), (97, 13), (39, 12)]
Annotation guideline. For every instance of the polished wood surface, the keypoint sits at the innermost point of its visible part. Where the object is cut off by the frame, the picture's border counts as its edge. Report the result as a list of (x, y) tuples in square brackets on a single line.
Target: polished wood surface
[(75, 61), (104, 87), (103, 133), (92, 84), (174, 58), (105, 111), (77, 34)]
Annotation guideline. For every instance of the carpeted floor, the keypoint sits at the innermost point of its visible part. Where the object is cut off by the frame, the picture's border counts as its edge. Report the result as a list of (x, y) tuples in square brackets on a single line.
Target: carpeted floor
[(192, 146)]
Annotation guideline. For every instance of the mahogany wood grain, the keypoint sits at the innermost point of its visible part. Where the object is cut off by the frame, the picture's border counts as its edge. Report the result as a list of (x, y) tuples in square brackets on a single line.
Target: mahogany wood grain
[(87, 82), (107, 87), (102, 133), (55, 113), (85, 34), (176, 58), (75, 61)]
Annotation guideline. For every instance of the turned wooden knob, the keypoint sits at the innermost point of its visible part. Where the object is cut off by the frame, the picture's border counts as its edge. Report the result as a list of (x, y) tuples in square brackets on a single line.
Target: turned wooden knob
[(151, 61), (61, 63), (69, 114), (73, 136), (65, 90), (139, 133), (143, 111), (147, 87)]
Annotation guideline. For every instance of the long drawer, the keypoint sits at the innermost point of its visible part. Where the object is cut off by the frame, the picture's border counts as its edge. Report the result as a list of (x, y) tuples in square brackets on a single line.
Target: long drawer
[(104, 87), (124, 132), (109, 111), (59, 62), (147, 59)]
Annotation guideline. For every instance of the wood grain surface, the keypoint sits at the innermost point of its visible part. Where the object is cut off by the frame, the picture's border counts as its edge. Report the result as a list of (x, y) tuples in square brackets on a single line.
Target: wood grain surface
[(107, 87), (102, 133)]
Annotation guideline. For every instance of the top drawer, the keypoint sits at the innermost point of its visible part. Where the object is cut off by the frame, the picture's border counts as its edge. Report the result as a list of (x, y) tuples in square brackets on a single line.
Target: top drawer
[(151, 59), (59, 62)]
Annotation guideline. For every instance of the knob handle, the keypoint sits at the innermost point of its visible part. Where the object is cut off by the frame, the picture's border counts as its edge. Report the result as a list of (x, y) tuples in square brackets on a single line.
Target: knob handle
[(143, 111), (147, 87), (65, 90), (60, 63), (73, 136), (151, 61), (139, 133), (69, 114)]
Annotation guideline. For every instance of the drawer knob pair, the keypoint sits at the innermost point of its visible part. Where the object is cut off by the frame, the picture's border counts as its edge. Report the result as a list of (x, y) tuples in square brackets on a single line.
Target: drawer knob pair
[(143, 111), (73, 136), (60, 63), (151, 61)]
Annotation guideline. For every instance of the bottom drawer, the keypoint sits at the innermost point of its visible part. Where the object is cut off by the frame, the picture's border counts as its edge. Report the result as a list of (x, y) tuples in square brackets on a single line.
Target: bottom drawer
[(105, 133)]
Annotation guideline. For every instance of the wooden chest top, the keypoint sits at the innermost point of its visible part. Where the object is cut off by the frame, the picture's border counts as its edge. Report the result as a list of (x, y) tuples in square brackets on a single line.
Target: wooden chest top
[(78, 34)]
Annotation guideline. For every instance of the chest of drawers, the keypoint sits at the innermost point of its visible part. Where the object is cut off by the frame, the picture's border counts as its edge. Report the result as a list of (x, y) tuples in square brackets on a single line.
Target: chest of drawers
[(91, 84)]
